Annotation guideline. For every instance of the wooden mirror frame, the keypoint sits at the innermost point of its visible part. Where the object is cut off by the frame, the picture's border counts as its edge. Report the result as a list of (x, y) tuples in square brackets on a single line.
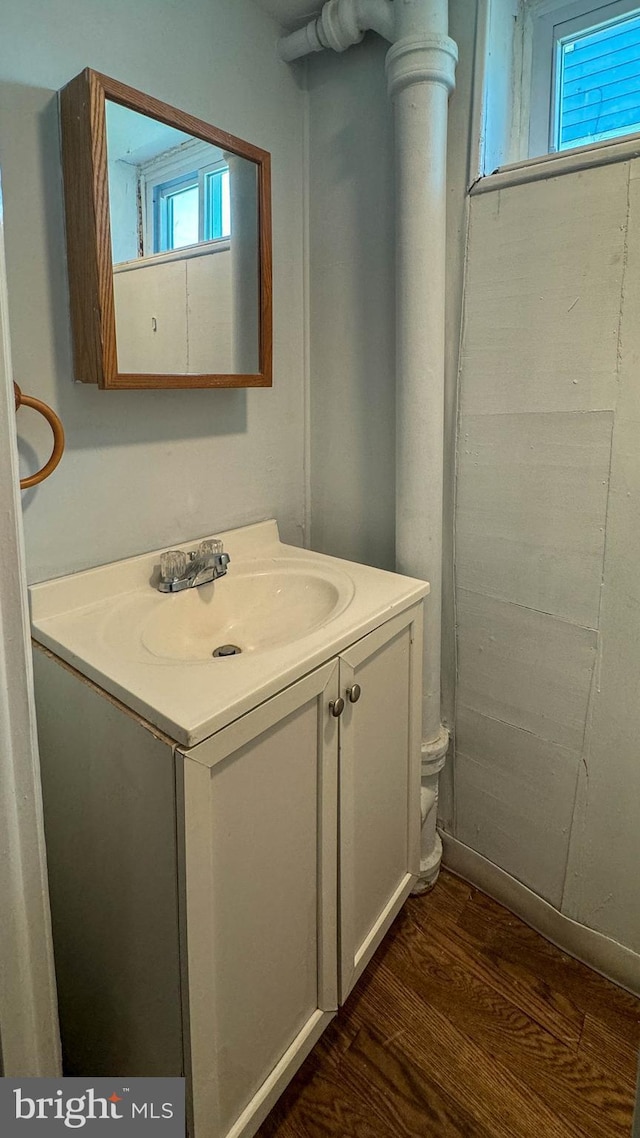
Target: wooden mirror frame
[(89, 253)]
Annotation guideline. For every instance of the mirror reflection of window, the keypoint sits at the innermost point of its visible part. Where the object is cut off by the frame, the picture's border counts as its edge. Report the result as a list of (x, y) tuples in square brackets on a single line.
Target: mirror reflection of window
[(175, 213), (167, 190), (191, 208)]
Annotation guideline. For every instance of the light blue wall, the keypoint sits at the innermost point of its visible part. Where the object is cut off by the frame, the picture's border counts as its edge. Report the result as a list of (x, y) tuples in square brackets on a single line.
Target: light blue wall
[(145, 469)]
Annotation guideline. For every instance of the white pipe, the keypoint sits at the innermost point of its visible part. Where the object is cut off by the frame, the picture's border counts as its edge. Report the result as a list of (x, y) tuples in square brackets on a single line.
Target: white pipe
[(420, 70), (421, 74), (340, 24), (300, 43), (424, 18)]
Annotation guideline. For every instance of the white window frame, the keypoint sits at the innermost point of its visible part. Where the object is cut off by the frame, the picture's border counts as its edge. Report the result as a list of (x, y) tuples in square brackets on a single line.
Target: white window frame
[(552, 21)]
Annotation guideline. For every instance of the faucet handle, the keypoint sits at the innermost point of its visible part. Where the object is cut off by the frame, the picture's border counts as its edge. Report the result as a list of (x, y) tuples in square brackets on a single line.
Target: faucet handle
[(173, 564), (211, 547)]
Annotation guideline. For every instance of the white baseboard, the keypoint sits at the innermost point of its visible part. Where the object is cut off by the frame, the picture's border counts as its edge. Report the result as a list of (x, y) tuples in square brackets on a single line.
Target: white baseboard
[(606, 956)]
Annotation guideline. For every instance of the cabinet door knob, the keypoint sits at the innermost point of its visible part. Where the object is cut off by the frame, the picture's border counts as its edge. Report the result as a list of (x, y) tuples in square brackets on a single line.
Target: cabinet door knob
[(354, 693), (336, 707)]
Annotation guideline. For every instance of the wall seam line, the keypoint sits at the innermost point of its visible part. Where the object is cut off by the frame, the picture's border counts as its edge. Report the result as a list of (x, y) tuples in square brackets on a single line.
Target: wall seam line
[(554, 413), (527, 608), (456, 450), (595, 675), (306, 332), (517, 727)]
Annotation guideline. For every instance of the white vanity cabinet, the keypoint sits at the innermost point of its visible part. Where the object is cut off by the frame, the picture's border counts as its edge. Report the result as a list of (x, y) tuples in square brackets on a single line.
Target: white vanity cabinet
[(228, 840), (260, 858), (280, 808)]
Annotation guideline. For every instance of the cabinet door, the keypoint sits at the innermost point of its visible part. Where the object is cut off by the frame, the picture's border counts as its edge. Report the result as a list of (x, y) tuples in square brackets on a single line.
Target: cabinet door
[(379, 786), (260, 874)]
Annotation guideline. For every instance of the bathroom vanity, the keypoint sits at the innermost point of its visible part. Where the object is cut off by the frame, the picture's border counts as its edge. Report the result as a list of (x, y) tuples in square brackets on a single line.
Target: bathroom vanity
[(229, 838)]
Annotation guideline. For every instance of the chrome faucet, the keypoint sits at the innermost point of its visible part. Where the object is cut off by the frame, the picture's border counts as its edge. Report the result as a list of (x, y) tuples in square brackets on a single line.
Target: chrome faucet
[(180, 570)]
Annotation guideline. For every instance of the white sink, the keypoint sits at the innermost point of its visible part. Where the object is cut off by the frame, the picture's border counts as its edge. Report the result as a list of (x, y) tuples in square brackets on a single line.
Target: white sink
[(256, 606), (287, 609)]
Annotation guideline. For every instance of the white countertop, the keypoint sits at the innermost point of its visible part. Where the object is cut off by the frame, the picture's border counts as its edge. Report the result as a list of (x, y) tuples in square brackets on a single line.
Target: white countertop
[(92, 619)]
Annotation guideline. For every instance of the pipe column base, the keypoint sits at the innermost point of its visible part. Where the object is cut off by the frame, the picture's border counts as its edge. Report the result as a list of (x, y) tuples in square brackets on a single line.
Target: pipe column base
[(434, 756), (429, 870)]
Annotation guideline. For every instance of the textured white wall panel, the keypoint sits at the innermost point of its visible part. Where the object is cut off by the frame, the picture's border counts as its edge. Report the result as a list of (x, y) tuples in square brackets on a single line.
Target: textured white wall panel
[(548, 543), (603, 883), (532, 500), (524, 667), (514, 800), (543, 295)]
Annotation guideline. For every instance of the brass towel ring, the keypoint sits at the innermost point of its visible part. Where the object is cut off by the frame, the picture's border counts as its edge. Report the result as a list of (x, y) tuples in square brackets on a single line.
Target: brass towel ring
[(58, 437)]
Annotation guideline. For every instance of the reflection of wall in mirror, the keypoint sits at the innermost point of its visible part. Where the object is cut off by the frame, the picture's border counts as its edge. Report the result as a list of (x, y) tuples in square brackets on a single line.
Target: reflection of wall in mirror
[(243, 178), (194, 311), (123, 208), (175, 316)]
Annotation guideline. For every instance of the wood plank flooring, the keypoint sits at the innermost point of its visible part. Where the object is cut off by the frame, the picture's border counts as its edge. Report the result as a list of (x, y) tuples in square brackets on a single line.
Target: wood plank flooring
[(467, 1024)]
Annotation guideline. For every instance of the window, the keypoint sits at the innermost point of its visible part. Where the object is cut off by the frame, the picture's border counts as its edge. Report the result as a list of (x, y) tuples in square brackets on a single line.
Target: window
[(585, 74), (186, 199), (191, 208)]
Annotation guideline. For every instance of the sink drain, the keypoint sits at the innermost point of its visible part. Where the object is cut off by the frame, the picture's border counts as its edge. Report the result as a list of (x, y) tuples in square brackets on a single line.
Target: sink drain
[(227, 650)]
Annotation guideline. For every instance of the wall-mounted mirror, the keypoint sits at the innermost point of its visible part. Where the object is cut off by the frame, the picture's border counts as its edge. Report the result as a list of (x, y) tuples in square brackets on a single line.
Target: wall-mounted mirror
[(169, 243)]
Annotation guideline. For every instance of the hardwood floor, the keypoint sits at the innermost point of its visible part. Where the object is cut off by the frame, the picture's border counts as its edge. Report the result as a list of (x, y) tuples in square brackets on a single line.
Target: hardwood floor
[(468, 1023)]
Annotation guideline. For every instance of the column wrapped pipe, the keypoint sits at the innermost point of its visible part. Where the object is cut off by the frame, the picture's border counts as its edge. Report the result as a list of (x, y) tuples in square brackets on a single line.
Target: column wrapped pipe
[(420, 75)]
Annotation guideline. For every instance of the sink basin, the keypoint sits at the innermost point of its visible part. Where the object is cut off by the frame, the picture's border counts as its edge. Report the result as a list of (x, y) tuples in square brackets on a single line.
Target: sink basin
[(253, 608), (288, 610)]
